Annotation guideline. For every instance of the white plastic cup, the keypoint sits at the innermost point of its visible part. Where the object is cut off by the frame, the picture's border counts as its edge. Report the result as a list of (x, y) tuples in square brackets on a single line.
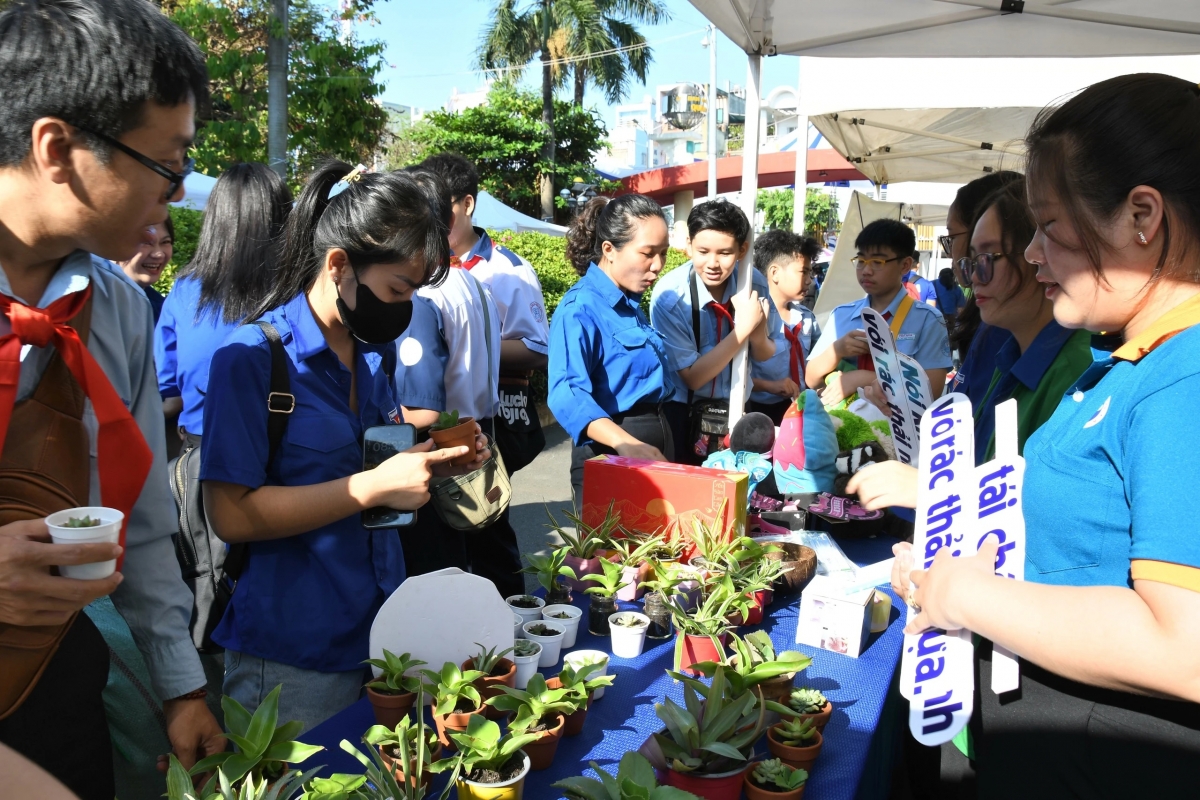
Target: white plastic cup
[(109, 530), (570, 625), (551, 645), (581, 657), (526, 614), (627, 642), (518, 621), (527, 667)]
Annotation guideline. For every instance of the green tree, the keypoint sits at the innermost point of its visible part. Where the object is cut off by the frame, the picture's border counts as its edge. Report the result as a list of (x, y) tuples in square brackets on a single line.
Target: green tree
[(604, 47), (331, 82), (506, 140), (820, 211)]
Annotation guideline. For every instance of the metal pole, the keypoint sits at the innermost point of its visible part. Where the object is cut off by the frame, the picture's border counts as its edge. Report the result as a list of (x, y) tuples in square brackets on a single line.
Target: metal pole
[(801, 192), (740, 390), (712, 112), (277, 70)]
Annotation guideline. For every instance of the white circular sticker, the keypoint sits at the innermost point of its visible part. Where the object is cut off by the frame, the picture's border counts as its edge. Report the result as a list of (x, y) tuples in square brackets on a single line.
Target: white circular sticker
[(411, 352)]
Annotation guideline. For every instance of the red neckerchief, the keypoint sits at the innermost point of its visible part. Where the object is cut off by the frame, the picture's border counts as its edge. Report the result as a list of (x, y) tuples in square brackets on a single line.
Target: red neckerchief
[(793, 338), (723, 313), (123, 457), (865, 361), (455, 261)]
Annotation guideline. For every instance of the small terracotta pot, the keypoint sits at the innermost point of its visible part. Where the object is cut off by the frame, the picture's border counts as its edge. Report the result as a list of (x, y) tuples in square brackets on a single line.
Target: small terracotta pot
[(778, 688), (390, 708), (699, 648), (574, 724), (452, 723), (541, 752), (820, 719), (489, 686), (727, 786), (795, 757), (755, 792), (582, 566), (397, 769), (461, 435)]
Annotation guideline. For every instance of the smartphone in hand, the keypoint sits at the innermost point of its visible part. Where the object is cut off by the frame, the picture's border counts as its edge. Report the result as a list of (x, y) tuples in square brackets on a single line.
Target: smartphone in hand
[(379, 444)]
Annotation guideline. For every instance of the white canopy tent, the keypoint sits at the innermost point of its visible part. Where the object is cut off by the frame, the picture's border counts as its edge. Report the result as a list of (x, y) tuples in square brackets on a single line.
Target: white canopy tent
[(977, 33)]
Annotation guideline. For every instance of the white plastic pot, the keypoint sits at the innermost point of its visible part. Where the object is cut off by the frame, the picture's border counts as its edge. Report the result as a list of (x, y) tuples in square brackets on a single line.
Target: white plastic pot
[(518, 621), (526, 614), (551, 645), (570, 626), (109, 530), (527, 666), (627, 642), (581, 657)]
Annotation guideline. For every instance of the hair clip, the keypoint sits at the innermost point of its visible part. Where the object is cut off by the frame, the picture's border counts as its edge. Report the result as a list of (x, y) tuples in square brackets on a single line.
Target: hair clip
[(353, 176)]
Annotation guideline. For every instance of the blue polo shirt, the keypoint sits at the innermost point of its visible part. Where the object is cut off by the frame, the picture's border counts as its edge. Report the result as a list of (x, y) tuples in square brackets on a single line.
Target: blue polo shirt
[(922, 334), (974, 374), (183, 347), (1110, 478), (671, 315), (306, 600), (949, 301), (925, 288), (604, 356)]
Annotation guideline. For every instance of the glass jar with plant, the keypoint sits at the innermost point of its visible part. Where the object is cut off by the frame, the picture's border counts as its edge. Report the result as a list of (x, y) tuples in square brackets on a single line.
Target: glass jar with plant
[(452, 431), (455, 698), (540, 710), (487, 761), (580, 682), (774, 780), (392, 694), (635, 780), (585, 543), (664, 578), (811, 703), (701, 633), (604, 601), (548, 569), (754, 664), (796, 742)]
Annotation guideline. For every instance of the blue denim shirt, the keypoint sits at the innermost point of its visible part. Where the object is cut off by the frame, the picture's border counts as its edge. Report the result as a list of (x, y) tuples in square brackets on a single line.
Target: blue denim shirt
[(306, 600)]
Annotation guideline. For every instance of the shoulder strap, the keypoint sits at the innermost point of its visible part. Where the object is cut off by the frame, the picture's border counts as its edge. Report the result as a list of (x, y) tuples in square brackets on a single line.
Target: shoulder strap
[(280, 400), (487, 340), (906, 304), (695, 321)]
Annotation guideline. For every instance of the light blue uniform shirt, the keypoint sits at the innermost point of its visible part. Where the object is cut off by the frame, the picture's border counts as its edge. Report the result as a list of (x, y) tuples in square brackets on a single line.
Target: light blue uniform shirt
[(421, 367), (671, 316), (1110, 477), (779, 366), (922, 335), (604, 356)]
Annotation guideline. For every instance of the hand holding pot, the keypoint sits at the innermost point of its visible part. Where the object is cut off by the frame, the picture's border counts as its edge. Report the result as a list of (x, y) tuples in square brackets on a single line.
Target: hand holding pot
[(29, 594), (402, 482), (482, 454)]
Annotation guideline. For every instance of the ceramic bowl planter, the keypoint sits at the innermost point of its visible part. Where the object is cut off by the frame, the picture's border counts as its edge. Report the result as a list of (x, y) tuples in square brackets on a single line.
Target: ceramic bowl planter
[(661, 625), (505, 674), (755, 792), (582, 566), (390, 708), (574, 724), (551, 643), (796, 757), (511, 789), (599, 611), (581, 657), (461, 435), (527, 665), (569, 622), (527, 613), (725, 786), (541, 752), (699, 648), (628, 631), (453, 722)]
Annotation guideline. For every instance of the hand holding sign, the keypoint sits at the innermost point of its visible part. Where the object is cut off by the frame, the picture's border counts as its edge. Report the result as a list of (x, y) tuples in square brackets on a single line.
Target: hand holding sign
[(852, 345), (940, 589)]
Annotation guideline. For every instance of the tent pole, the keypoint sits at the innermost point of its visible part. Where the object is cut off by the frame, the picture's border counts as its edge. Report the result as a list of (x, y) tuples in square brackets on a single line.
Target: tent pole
[(739, 391), (712, 112), (801, 193)]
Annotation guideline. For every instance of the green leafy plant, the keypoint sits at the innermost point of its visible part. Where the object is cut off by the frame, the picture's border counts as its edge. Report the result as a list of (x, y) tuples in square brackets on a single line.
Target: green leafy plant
[(608, 582), (445, 421), (381, 783), (712, 733), (634, 781), (797, 732), (550, 567), (711, 617), (587, 539), (628, 620), (220, 787), (535, 705), (481, 747), (714, 542), (579, 683), (542, 629), (525, 648), (753, 660), (807, 701), (392, 678), (263, 750), (664, 578), (338, 786), (453, 689), (86, 522), (486, 660), (636, 549), (774, 772), (408, 732)]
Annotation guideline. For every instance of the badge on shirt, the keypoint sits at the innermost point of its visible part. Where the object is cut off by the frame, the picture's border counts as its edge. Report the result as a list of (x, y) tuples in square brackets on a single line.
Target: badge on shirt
[(536, 310), (394, 417), (901, 337)]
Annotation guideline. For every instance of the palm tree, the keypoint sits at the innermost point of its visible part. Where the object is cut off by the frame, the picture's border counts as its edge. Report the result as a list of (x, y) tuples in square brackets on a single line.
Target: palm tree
[(588, 34)]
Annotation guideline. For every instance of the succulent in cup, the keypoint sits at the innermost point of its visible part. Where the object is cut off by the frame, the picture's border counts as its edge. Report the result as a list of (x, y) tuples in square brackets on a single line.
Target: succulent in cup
[(538, 629), (797, 732), (774, 772), (525, 648), (445, 421), (86, 522), (807, 701), (523, 601)]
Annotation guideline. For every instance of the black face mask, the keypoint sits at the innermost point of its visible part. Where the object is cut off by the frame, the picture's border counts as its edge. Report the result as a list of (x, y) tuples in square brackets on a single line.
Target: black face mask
[(372, 320)]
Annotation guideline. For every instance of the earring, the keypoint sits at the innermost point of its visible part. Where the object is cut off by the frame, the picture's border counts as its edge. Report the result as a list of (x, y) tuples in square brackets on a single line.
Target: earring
[(1141, 237)]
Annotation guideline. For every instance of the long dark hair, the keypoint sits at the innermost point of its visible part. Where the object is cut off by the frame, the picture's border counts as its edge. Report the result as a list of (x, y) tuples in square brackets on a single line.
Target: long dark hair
[(380, 218), (604, 220), (238, 252), (1016, 228)]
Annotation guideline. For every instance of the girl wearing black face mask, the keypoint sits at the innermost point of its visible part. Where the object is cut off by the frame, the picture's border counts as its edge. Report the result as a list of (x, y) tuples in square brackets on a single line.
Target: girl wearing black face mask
[(355, 249)]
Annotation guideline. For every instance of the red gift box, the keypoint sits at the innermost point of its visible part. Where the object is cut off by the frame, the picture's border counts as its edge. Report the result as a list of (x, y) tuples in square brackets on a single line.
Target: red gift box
[(656, 496)]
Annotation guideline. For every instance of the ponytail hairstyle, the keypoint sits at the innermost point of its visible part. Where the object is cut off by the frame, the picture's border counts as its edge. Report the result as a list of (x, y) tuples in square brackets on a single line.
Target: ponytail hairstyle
[(603, 220), (238, 253), (380, 218)]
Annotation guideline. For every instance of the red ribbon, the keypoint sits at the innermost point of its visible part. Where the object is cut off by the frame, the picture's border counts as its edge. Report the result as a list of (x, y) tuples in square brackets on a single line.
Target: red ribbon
[(724, 313), (797, 352), (123, 455)]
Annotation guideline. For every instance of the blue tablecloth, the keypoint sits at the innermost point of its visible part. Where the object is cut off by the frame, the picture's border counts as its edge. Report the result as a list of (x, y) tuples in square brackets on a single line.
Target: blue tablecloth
[(624, 717)]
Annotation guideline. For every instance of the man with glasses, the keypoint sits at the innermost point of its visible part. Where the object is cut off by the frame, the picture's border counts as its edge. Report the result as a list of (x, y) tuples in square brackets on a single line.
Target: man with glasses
[(97, 112), (840, 363)]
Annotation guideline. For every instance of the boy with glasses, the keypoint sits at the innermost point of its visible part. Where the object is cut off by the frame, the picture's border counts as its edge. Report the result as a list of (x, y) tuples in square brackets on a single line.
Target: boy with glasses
[(840, 363)]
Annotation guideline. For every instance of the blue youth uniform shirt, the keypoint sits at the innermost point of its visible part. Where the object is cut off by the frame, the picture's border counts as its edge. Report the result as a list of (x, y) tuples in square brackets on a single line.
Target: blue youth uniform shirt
[(974, 374), (183, 348), (604, 356), (671, 315), (803, 326), (922, 334), (307, 600)]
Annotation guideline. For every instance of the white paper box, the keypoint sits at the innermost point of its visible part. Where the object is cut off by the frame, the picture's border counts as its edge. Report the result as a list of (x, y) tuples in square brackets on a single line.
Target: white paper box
[(831, 620)]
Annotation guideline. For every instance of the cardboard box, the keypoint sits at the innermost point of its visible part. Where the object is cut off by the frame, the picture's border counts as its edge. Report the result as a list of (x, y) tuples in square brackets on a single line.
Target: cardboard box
[(834, 621), (654, 496)]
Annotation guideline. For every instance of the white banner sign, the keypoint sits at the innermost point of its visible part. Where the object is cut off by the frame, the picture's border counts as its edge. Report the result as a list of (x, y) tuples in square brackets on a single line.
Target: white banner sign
[(890, 373), (916, 388), (937, 673)]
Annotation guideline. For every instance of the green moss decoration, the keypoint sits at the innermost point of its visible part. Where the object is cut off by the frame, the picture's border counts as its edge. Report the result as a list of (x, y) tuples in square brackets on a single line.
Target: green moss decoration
[(853, 431)]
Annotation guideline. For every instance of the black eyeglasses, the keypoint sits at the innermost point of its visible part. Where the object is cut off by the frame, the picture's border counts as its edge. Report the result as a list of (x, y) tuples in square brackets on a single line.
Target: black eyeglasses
[(175, 179), (947, 242), (978, 269)]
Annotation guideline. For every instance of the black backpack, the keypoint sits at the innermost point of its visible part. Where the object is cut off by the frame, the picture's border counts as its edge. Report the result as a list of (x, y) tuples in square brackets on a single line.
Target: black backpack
[(211, 568)]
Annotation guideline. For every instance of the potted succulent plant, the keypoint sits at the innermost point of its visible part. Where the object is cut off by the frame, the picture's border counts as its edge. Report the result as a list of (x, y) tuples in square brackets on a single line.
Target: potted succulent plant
[(701, 633), (379, 782), (489, 766), (628, 631), (754, 663), (403, 746), (603, 592), (550, 636), (584, 544), (539, 710), (580, 684), (451, 431), (497, 671), (634, 781), (526, 606), (774, 780), (548, 569), (526, 655), (796, 742), (584, 658), (810, 703), (712, 543), (392, 694), (455, 699), (181, 787), (633, 554), (568, 617)]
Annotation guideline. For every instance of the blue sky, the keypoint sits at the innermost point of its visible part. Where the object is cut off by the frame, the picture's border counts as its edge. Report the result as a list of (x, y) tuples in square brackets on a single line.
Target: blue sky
[(431, 50)]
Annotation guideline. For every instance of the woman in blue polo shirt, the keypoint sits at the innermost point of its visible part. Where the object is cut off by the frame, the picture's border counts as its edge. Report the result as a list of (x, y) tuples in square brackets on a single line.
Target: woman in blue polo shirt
[(608, 367), (1108, 617), (356, 247)]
